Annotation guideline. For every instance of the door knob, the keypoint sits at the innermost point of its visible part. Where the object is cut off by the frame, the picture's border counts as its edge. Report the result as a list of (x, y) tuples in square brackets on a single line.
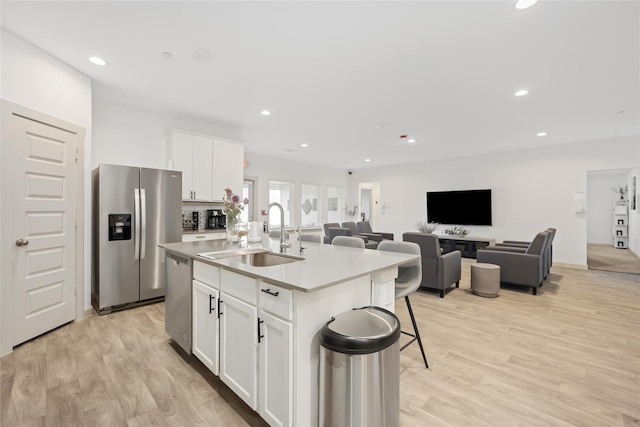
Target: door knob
[(22, 242)]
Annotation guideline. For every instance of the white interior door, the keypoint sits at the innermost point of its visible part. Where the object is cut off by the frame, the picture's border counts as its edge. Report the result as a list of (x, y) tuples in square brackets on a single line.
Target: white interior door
[(44, 216)]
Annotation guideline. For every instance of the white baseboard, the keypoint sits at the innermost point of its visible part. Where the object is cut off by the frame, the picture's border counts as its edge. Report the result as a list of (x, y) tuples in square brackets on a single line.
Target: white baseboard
[(572, 266), (87, 313)]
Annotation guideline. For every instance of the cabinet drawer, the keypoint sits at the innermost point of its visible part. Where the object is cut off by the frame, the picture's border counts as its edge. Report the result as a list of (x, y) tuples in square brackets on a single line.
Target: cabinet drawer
[(197, 237), (276, 300), (207, 274), (242, 287)]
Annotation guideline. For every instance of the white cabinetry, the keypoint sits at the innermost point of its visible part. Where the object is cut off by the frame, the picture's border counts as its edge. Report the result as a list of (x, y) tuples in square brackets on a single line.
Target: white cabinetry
[(206, 303), (620, 224), (238, 333), (256, 345), (275, 349), (228, 166), (199, 237), (193, 155)]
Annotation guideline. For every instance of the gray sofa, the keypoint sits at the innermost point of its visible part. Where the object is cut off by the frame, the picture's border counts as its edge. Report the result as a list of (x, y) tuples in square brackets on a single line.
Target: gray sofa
[(439, 271)]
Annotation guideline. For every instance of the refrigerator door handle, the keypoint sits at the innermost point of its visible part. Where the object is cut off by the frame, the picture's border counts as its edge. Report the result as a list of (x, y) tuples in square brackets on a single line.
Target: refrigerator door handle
[(143, 228), (136, 223)]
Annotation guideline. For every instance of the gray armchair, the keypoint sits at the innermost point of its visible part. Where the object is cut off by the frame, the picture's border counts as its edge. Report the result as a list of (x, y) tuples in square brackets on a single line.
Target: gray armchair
[(364, 228), (548, 253), (369, 240), (439, 271), (341, 231), (518, 267), (327, 226)]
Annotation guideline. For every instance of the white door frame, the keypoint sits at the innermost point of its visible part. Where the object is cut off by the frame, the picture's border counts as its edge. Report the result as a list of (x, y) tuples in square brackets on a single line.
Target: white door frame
[(374, 208), (6, 217)]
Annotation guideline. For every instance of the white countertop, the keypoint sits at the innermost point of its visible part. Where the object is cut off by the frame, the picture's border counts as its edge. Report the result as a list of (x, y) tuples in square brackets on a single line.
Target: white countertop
[(323, 266)]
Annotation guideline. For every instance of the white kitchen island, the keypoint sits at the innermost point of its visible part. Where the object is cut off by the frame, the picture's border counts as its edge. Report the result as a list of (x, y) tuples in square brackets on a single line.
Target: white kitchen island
[(258, 327)]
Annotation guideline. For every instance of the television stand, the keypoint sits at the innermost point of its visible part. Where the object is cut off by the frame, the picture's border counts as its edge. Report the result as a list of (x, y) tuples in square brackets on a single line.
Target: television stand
[(468, 245)]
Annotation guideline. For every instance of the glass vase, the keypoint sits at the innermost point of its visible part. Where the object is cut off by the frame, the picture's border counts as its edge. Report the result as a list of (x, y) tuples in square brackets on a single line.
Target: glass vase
[(232, 228)]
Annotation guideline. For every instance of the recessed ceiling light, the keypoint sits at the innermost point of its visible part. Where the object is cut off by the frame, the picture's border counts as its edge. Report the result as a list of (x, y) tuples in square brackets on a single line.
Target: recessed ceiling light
[(265, 113), (379, 126), (541, 134), (97, 61), (367, 160), (411, 140), (521, 92), (523, 4), (304, 145)]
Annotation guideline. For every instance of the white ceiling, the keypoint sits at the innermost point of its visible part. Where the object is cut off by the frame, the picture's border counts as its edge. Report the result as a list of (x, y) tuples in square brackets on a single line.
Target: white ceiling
[(442, 71)]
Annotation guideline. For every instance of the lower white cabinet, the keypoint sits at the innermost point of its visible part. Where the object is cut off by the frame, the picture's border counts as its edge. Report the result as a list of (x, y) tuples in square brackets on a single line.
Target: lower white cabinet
[(238, 341), (275, 373), (205, 342)]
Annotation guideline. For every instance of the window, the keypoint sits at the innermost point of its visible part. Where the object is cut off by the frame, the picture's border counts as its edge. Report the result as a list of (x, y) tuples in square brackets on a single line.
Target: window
[(335, 204), (311, 206), (280, 192)]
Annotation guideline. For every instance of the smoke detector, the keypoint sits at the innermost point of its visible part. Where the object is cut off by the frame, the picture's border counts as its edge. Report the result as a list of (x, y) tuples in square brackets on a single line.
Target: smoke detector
[(200, 54)]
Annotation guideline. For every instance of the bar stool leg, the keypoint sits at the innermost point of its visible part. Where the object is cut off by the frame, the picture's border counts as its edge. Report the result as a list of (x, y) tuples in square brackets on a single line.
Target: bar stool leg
[(416, 337)]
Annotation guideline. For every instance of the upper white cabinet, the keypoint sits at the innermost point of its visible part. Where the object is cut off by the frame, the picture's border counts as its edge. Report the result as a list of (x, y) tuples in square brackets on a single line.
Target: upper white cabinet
[(208, 165), (193, 155), (228, 166)]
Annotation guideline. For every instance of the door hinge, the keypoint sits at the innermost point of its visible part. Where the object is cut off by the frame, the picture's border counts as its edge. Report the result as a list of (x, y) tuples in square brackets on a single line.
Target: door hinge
[(77, 152), (75, 290)]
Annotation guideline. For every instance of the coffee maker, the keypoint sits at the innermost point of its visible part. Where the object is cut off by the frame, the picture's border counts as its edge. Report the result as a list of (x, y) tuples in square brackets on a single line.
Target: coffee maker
[(216, 219)]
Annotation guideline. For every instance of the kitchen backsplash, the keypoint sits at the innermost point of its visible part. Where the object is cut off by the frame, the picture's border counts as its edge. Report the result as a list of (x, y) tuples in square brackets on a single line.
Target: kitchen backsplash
[(201, 209)]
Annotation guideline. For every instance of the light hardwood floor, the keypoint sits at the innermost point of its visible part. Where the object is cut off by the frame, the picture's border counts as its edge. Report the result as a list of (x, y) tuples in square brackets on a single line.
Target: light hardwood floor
[(569, 356)]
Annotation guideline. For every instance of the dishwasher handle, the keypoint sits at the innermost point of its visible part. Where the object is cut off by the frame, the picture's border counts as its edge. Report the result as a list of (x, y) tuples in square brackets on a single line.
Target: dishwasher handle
[(178, 258)]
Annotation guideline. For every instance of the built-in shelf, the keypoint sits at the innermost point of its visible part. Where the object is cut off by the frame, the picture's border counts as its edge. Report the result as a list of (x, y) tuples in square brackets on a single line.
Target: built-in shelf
[(620, 224)]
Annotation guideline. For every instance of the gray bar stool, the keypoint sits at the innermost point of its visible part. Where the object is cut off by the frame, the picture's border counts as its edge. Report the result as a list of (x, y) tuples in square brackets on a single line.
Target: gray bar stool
[(354, 242), (408, 281)]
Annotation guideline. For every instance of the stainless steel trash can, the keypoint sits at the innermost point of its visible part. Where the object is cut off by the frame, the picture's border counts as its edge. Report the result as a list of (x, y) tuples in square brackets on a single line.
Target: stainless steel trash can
[(360, 369)]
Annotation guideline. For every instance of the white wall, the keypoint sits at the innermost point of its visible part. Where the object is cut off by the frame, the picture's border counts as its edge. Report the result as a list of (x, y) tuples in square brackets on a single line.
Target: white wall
[(532, 190), (36, 80), (634, 215), (600, 199), (133, 137)]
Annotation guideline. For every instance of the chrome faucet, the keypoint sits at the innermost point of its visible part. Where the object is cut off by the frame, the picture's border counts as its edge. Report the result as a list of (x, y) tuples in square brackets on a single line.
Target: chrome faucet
[(283, 245)]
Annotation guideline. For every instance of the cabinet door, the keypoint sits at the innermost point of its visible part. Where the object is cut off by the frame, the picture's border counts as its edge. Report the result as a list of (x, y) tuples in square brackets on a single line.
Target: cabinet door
[(235, 174), (182, 156), (203, 169), (228, 166), (275, 382), (205, 325), (238, 340)]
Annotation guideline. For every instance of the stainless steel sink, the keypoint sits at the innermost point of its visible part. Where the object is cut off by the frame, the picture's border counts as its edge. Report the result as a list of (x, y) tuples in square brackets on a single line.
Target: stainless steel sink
[(255, 257), (265, 259)]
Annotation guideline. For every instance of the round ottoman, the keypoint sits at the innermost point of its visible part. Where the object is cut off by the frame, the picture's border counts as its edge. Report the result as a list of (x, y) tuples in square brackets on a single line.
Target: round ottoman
[(485, 279)]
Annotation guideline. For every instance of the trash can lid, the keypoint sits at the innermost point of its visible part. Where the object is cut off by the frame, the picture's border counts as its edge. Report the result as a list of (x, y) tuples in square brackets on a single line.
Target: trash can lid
[(361, 331)]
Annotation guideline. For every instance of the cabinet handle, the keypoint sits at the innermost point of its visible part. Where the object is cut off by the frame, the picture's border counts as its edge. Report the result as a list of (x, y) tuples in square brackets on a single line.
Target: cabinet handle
[(268, 291), (211, 298), (259, 333), (219, 311)]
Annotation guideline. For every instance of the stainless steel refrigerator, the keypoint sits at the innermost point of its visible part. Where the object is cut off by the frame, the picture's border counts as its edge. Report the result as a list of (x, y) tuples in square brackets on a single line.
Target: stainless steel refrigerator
[(134, 209)]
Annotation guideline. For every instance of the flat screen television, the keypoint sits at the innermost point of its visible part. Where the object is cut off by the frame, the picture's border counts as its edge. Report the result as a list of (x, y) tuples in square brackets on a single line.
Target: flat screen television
[(467, 207)]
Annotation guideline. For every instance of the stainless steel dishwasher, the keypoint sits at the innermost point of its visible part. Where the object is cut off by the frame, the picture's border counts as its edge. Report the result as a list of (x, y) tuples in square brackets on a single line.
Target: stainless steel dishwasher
[(177, 300)]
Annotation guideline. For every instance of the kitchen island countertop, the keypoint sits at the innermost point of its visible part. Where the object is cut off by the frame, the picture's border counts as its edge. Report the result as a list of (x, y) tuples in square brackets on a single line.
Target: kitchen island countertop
[(323, 265)]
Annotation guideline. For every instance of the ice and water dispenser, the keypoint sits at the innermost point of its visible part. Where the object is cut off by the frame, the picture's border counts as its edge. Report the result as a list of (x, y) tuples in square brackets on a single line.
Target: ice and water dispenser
[(119, 227)]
